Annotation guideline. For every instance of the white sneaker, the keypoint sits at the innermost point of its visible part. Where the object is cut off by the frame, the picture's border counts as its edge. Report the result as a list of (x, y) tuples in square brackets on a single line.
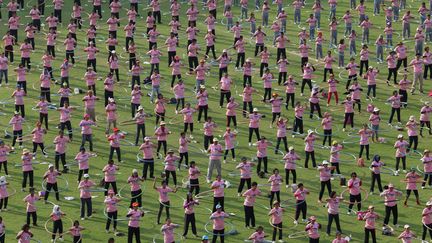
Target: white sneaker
[(295, 222), (423, 187), (82, 218), (250, 144), (61, 239), (224, 161), (304, 220), (238, 195), (404, 171), (208, 181), (287, 186), (280, 241)]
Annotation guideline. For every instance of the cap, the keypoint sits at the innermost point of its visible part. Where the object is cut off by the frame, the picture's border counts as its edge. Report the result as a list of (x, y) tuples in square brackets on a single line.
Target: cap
[(113, 52), (64, 84), (371, 206), (86, 176), (135, 204), (25, 151), (50, 166), (275, 202), (334, 142), (115, 129), (429, 203), (303, 28), (290, 148), (147, 139), (205, 237), (224, 50), (134, 171), (255, 109), (376, 109), (400, 136), (248, 60), (140, 108), (406, 226), (215, 140), (310, 131), (370, 67), (390, 185), (308, 65), (202, 86), (110, 99), (218, 206), (325, 162), (170, 151), (162, 123), (16, 113), (412, 118)]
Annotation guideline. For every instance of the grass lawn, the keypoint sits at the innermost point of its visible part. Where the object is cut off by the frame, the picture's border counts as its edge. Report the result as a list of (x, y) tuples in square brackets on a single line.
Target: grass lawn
[(14, 218)]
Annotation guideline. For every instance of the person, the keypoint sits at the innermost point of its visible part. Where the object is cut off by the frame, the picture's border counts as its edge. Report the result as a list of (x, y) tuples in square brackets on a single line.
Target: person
[(276, 214), (390, 201), (187, 118), (218, 186), (215, 151), (375, 120), (427, 220), (364, 134), (327, 124), (254, 124), (333, 211), (134, 216), (164, 201), (83, 162), (339, 238), (376, 173), (395, 101), (205, 238), (24, 235), (354, 187), (18, 96), (407, 235), (370, 218), (56, 217), (85, 196), (17, 121), (4, 152), (111, 203), (50, 177), (86, 131), (114, 141), (335, 150), (325, 178), (135, 187), (27, 168), (427, 168), (312, 230), (349, 112), (261, 154), (412, 130), (231, 114), (245, 168), (111, 114), (162, 133), (189, 212), (170, 167), (2, 231), (309, 148), (147, 160), (248, 205), (168, 230), (230, 140), (75, 231), (401, 150), (4, 194), (301, 205), (38, 139), (411, 179), (193, 174), (110, 171), (60, 151), (218, 218), (425, 112), (258, 236), (30, 201)]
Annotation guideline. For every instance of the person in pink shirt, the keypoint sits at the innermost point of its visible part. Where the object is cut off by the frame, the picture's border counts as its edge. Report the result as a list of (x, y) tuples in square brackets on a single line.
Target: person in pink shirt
[(262, 145), (275, 181), (193, 175), (425, 112), (25, 235), (333, 211), (50, 177), (176, 65), (9, 40), (113, 62), (281, 126), (248, 205), (170, 166), (16, 122), (225, 84), (160, 103), (64, 92), (301, 205), (56, 217), (258, 236), (134, 215), (411, 180), (26, 49), (30, 201), (135, 188), (370, 218), (325, 178), (21, 73), (90, 102), (164, 201), (75, 231), (60, 150), (18, 95), (327, 124), (354, 188), (27, 168), (168, 230), (412, 130), (3, 68), (111, 204), (187, 117), (355, 91), (314, 100), (349, 111), (111, 114), (230, 143), (86, 131), (364, 134), (390, 195), (109, 87), (70, 44), (239, 46), (276, 214), (308, 70), (218, 218), (162, 133), (114, 141), (395, 102), (183, 150), (309, 141), (427, 220), (276, 104), (91, 51), (147, 159), (4, 194), (371, 75), (267, 79), (189, 212), (245, 168), (312, 229), (4, 152), (193, 49), (82, 159), (110, 171), (339, 238)]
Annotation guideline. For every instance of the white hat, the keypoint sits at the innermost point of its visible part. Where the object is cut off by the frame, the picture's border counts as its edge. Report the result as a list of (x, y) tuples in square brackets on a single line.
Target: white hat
[(162, 123), (86, 176), (376, 109), (147, 139), (400, 136), (290, 148), (429, 203), (390, 185), (113, 52), (248, 60), (303, 28), (110, 99), (406, 226), (218, 206), (2, 180), (215, 140), (134, 171), (140, 108), (412, 118), (224, 50), (325, 162), (308, 65), (255, 109), (202, 86), (50, 166), (310, 131), (426, 103), (370, 67)]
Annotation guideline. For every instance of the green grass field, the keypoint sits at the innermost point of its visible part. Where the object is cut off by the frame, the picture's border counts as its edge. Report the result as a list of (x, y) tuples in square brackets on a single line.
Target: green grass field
[(15, 217)]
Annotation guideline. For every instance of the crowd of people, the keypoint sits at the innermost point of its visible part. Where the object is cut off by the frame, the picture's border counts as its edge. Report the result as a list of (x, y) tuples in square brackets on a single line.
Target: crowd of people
[(274, 52)]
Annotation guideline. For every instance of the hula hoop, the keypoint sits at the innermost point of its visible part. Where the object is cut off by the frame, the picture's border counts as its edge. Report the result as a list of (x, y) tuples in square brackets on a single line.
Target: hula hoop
[(352, 157), (414, 153), (350, 140), (14, 191), (98, 189), (51, 233), (129, 197), (156, 239), (353, 203), (285, 204), (298, 234), (59, 189), (171, 206), (186, 183), (274, 226), (126, 143), (348, 209), (389, 171), (419, 170), (35, 240), (118, 219), (231, 230), (204, 194), (7, 133), (33, 163), (335, 130)]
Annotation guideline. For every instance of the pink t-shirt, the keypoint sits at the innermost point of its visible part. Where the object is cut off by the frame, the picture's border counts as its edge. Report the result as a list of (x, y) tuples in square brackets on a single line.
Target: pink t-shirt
[(163, 193), (83, 160), (276, 215), (251, 195), (60, 144), (110, 172), (218, 188), (30, 201), (134, 218), (354, 186), (275, 182), (84, 187), (218, 220)]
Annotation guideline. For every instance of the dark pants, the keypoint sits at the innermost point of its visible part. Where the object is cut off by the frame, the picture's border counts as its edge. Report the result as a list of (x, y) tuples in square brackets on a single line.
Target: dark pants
[(43, 117), (85, 138), (393, 110), (224, 94), (148, 166), (33, 215), (184, 156), (112, 216), (413, 140), (207, 141), (304, 82), (247, 107), (264, 160), (298, 125), (315, 107), (376, 178), (134, 231), (242, 183), (289, 96), (111, 154), (49, 187), (86, 202), (323, 185), (189, 219), (425, 229), (174, 176), (355, 199), (220, 233), (161, 207), (394, 211), (212, 49), (300, 207), (136, 197), (17, 135), (327, 136), (276, 228), (372, 233), (279, 139), (4, 163), (140, 129), (57, 228), (362, 147), (294, 174), (251, 131), (194, 185), (312, 156), (28, 174), (272, 196), (81, 172), (4, 203), (59, 157), (349, 117), (114, 187), (202, 109), (398, 160), (392, 71), (334, 217), (249, 216), (68, 125)]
